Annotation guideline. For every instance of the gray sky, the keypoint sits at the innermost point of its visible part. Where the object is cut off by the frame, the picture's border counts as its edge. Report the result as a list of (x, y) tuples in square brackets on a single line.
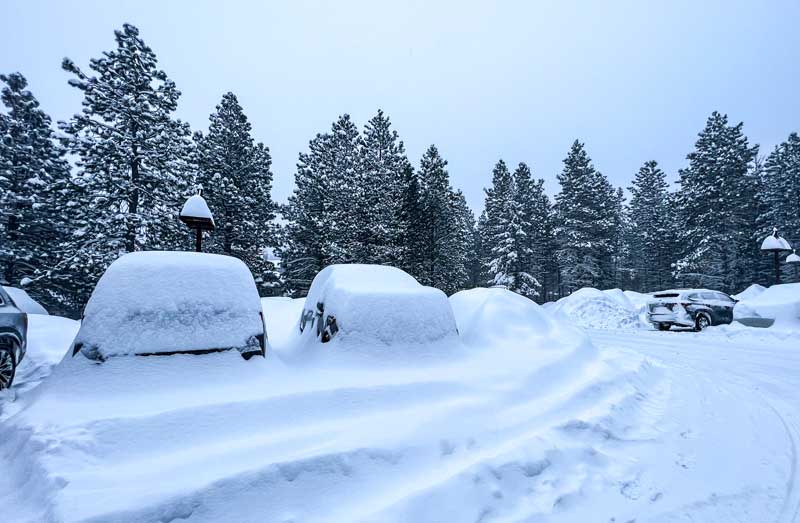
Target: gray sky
[(482, 80)]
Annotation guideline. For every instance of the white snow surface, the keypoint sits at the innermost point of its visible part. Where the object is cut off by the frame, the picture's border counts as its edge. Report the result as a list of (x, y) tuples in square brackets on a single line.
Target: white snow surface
[(382, 313), (152, 302), (196, 207), (749, 293), (593, 308), (24, 302), (778, 302), (532, 420)]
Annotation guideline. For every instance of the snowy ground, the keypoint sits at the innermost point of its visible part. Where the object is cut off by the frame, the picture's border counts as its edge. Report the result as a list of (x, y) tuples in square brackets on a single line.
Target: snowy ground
[(535, 422)]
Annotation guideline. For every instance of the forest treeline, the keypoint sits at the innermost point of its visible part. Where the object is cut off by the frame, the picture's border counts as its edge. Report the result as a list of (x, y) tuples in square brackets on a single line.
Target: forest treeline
[(112, 179)]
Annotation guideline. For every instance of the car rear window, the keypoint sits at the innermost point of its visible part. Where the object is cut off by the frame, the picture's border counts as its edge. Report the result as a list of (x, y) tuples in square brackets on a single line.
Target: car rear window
[(666, 295)]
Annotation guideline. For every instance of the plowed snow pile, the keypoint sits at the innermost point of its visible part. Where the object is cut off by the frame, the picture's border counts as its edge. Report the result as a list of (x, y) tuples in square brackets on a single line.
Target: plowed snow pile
[(593, 308), (520, 420), (778, 302)]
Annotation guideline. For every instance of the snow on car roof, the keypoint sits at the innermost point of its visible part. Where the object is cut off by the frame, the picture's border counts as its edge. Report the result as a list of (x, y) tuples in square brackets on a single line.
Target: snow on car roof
[(155, 302), (24, 302)]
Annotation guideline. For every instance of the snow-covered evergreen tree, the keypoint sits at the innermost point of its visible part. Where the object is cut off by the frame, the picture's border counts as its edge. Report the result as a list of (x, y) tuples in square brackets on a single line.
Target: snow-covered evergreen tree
[(411, 223), (649, 256), (35, 198), (133, 171), (234, 173), (509, 246), (587, 216), (444, 259), (717, 205), (780, 188), (380, 179)]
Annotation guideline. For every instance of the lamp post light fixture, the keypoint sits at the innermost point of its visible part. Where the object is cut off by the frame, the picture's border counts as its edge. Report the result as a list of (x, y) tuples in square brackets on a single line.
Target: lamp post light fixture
[(794, 259), (197, 216), (776, 245)]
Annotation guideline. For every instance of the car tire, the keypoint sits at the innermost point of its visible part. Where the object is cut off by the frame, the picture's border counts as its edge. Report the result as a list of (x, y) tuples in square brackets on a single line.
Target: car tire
[(8, 367), (664, 326), (701, 321)]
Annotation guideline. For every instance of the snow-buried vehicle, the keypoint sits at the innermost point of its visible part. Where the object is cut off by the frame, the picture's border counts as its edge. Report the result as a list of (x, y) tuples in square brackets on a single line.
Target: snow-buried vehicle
[(162, 303), (373, 311)]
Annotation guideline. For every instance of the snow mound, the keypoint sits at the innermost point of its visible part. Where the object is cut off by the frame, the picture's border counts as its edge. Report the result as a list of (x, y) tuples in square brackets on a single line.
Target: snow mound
[(750, 292), (488, 317), (161, 302), (593, 308), (778, 302), (24, 302), (373, 311)]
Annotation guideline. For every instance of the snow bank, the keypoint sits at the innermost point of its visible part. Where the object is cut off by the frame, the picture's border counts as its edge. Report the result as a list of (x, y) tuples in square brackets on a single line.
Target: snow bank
[(778, 302), (156, 302), (24, 302), (49, 338), (592, 308), (379, 312), (489, 317), (750, 292), (523, 417)]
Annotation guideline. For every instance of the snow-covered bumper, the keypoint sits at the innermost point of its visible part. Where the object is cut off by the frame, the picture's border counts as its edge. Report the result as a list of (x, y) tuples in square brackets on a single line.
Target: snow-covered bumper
[(677, 316)]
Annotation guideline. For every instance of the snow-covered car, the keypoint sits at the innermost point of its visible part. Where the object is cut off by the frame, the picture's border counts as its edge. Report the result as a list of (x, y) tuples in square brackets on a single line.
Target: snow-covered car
[(374, 309), (162, 303), (694, 308), (13, 338)]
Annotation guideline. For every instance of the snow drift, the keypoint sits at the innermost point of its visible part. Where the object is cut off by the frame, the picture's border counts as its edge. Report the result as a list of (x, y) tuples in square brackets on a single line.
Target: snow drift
[(778, 302), (161, 302), (593, 308)]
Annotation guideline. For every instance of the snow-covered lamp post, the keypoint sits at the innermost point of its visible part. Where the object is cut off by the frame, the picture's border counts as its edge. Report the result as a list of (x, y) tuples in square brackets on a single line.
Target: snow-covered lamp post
[(794, 259), (776, 245), (197, 216)]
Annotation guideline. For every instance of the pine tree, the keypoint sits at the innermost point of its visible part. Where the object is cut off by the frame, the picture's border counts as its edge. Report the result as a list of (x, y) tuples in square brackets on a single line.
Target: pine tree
[(34, 198), (443, 262), (304, 252), (348, 218), (538, 219), (780, 189), (383, 162), (234, 172), (466, 262), (507, 240), (412, 227), (649, 255), (133, 172), (716, 202), (587, 215)]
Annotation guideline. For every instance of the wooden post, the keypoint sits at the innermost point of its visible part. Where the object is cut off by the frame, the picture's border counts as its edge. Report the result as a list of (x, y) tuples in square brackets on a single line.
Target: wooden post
[(198, 240), (777, 268)]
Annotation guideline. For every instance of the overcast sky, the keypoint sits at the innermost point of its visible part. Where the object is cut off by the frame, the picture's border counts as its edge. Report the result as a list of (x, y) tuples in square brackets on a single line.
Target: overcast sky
[(482, 80)]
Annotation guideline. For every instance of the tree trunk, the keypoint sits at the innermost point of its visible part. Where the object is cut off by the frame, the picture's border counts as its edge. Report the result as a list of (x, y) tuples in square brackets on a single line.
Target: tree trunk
[(133, 205)]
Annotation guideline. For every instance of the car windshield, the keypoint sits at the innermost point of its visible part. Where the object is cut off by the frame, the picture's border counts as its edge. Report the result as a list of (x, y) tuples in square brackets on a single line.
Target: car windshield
[(666, 295)]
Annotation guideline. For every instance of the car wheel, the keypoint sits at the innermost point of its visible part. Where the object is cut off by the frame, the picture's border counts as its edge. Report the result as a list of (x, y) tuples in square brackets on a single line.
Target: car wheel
[(664, 326), (8, 368), (701, 322)]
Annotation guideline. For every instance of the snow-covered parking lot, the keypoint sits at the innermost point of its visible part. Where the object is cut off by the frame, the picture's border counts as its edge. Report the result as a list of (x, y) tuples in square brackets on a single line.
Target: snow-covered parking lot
[(524, 419)]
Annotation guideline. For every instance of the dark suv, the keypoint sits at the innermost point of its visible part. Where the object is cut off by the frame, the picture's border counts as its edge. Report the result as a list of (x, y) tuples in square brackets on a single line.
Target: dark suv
[(695, 308), (13, 338)]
